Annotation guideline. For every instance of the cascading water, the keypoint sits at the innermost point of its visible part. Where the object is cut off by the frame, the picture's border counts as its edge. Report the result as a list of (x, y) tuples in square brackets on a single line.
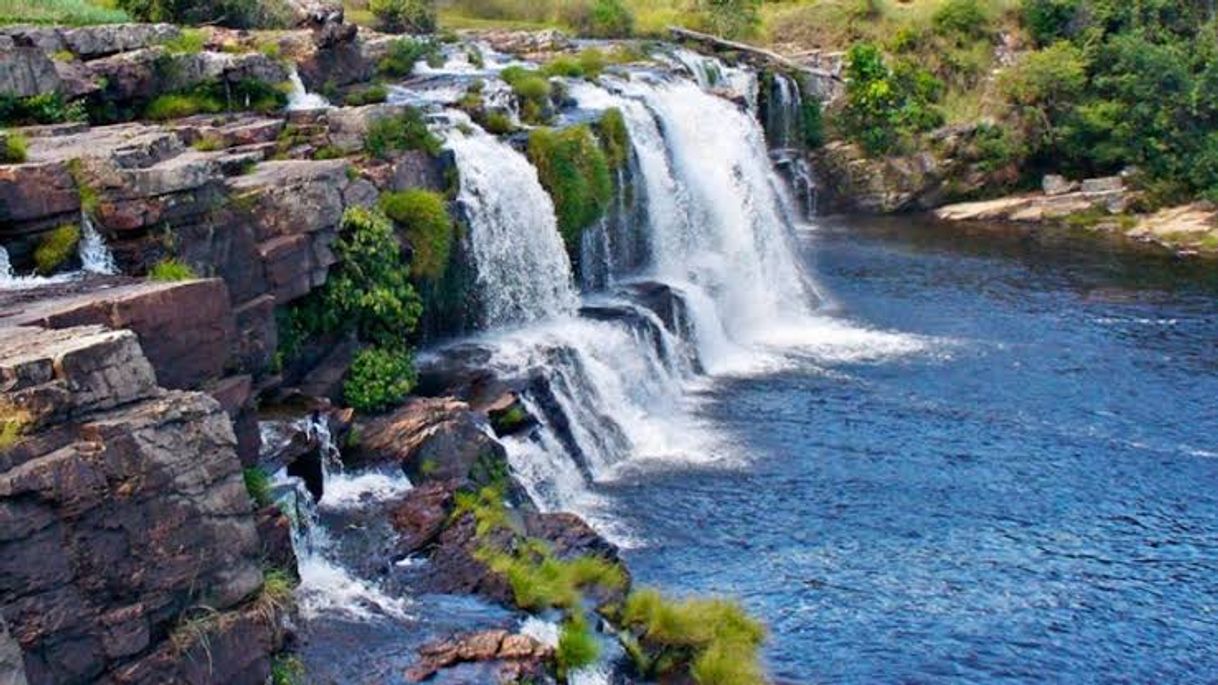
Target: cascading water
[(300, 98), (95, 257), (523, 272)]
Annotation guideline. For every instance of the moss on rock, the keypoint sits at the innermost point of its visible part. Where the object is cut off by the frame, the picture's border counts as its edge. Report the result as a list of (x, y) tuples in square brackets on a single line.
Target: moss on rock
[(56, 248), (575, 171), (424, 216)]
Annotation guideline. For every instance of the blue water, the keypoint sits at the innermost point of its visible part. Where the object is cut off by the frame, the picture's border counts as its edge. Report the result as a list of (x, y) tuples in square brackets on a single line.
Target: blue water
[(1030, 496)]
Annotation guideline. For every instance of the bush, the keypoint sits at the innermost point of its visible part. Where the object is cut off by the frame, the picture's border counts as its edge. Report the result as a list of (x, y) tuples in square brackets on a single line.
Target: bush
[(540, 581), (405, 131), (423, 215), (380, 378), (575, 171), (56, 248), (404, 16), (1052, 78), (1049, 20), (258, 485), (15, 149), (402, 56), (532, 91), (961, 18), (577, 647), (885, 105), (599, 18), (614, 137), (373, 94), (241, 14), (48, 108), (812, 123), (69, 12)]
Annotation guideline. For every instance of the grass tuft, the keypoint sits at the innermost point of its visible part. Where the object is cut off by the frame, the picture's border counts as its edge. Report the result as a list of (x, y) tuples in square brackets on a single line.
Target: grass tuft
[(56, 248), (171, 271)]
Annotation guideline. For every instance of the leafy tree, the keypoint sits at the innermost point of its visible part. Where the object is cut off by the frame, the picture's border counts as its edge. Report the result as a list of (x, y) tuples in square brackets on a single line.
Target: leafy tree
[(404, 16), (885, 104)]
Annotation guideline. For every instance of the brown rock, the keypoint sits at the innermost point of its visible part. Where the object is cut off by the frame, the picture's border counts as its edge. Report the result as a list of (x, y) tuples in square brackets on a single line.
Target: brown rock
[(421, 516), (519, 656)]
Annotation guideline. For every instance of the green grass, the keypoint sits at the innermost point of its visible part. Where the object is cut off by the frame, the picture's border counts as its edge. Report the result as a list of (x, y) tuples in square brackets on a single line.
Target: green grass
[(576, 172), (56, 248), (15, 149), (171, 271), (715, 638), (13, 424), (577, 647), (287, 670), (258, 484), (406, 131), (70, 12), (188, 42)]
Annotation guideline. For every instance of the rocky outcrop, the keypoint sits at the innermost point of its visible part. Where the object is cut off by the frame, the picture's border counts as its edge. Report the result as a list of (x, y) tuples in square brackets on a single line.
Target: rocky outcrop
[(123, 508), (952, 167), (1061, 199), (516, 658), (435, 439)]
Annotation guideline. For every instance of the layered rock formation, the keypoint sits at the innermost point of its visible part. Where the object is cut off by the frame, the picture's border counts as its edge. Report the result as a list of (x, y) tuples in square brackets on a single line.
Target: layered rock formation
[(129, 550)]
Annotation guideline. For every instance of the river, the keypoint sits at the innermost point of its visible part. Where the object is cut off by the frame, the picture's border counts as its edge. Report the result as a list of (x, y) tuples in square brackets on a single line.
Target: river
[(1000, 468)]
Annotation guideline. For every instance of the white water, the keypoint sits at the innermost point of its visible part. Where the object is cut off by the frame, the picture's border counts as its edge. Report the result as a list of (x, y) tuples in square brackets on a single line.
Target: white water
[(300, 98), (523, 272), (94, 255)]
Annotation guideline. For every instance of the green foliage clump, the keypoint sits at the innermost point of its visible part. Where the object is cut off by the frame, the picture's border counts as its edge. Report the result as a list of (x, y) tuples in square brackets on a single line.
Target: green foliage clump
[(715, 639), (47, 108), (13, 424), (575, 171), (258, 485), (424, 216), (213, 97), (287, 670), (404, 16), (187, 42), (577, 647), (886, 105), (373, 94), (15, 149), (405, 131), (380, 378), (599, 18), (171, 271), (962, 18), (1049, 20), (812, 123), (56, 248), (403, 54), (614, 137), (241, 14), (539, 580), (532, 91)]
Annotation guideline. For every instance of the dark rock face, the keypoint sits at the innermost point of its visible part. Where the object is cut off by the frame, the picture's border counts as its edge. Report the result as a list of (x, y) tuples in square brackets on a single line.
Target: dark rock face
[(420, 517), (123, 511)]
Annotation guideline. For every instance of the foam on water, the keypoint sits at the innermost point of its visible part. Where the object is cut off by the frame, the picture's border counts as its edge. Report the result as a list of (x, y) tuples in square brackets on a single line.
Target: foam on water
[(300, 98), (358, 490)]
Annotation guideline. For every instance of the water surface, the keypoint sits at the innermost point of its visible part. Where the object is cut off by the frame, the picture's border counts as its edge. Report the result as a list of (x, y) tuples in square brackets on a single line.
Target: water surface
[(1018, 484)]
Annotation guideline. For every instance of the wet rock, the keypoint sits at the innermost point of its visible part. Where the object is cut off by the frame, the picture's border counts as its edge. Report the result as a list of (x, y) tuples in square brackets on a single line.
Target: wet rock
[(420, 516), (520, 658), (275, 536), (435, 439)]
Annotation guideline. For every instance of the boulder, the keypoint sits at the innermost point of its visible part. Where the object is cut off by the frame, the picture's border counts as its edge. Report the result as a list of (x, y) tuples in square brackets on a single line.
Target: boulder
[(25, 71), (421, 516), (435, 439), (1053, 184), (91, 42), (519, 658)]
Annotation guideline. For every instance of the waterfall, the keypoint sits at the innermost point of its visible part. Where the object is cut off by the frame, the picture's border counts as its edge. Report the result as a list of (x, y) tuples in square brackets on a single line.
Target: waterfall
[(783, 115), (95, 257), (300, 98), (523, 272)]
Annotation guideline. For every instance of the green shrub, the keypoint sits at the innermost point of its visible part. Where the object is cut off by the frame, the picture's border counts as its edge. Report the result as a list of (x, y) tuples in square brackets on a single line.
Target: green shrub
[(1049, 20), (885, 105), (714, 638), (403, 54), (48, 108), (608, 19), (212, 97), (56, 248), (187, 42), (812, 123), (532, 91), (170, 271), (577, 647), (423, 215), (575, 171), (379, 379), (258, 485), (373, 94), (241, 14), (961, 18), (405, 131), (404, 16), (179, 105), (540, 581), (15, 149), (498, 123)]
